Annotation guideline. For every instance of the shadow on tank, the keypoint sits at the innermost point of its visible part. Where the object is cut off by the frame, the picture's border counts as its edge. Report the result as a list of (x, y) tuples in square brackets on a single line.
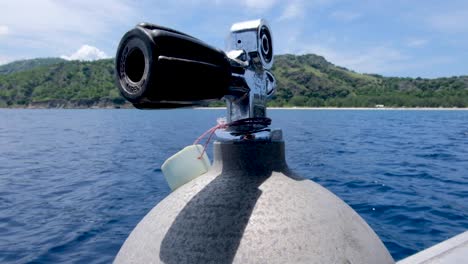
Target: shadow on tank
[(210, 227), (250, 208)]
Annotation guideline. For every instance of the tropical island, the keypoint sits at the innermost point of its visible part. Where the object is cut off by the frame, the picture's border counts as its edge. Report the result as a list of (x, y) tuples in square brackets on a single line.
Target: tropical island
[(303, 81)]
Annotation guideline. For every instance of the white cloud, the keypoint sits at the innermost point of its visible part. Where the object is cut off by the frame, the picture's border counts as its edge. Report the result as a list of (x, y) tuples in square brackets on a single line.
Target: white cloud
[(450, 22), (295, 9), (55, 25), (86, 53), (259, 4), (4, 60), (4, 30), (378, 59), (44, 16), (346, 16), (415, 43)]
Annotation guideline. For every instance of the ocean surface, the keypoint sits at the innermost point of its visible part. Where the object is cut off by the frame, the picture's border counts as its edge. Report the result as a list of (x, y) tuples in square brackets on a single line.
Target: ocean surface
[(74, 183)]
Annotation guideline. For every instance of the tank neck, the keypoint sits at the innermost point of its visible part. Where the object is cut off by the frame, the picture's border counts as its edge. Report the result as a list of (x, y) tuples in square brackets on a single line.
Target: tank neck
[(249, 156)]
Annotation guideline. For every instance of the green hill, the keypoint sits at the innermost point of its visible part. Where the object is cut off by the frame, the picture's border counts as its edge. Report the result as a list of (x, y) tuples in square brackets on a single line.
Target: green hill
[(64, 84), (307, 80), (25, 65), (310, 80)]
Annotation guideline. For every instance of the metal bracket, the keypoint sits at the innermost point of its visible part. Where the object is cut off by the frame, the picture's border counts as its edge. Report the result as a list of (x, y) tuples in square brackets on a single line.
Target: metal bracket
[(250, 53)]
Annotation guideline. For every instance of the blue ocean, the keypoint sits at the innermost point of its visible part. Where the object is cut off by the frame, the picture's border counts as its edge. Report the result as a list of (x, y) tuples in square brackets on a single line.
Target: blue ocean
[(74, 183)]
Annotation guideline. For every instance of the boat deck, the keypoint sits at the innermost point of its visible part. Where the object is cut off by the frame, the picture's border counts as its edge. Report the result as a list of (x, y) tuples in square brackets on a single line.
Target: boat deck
[(453, 251)]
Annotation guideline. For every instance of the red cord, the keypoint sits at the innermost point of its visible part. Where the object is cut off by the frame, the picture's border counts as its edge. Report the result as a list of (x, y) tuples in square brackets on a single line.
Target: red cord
[(247, 121), (210, 131)]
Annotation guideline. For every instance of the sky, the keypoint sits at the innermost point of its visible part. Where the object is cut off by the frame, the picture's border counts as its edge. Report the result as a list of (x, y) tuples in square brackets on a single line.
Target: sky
[(418, 38)]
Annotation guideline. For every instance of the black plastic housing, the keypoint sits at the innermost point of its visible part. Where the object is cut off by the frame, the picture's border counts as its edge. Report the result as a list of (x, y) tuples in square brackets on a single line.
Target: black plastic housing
[(158, 67)]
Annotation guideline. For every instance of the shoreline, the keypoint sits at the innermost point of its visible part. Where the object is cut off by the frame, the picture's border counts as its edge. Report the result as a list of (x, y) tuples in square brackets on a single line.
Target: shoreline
[(355, 108), (269, 108)]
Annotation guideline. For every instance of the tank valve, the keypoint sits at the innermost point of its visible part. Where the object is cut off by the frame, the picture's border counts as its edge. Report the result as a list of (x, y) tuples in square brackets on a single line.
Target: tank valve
[(158, 67)]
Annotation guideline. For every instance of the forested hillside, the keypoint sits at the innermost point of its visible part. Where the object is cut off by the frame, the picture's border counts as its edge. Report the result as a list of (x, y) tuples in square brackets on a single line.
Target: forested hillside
[(63, 84), (307, 80), (24, 65), (310, 80)]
